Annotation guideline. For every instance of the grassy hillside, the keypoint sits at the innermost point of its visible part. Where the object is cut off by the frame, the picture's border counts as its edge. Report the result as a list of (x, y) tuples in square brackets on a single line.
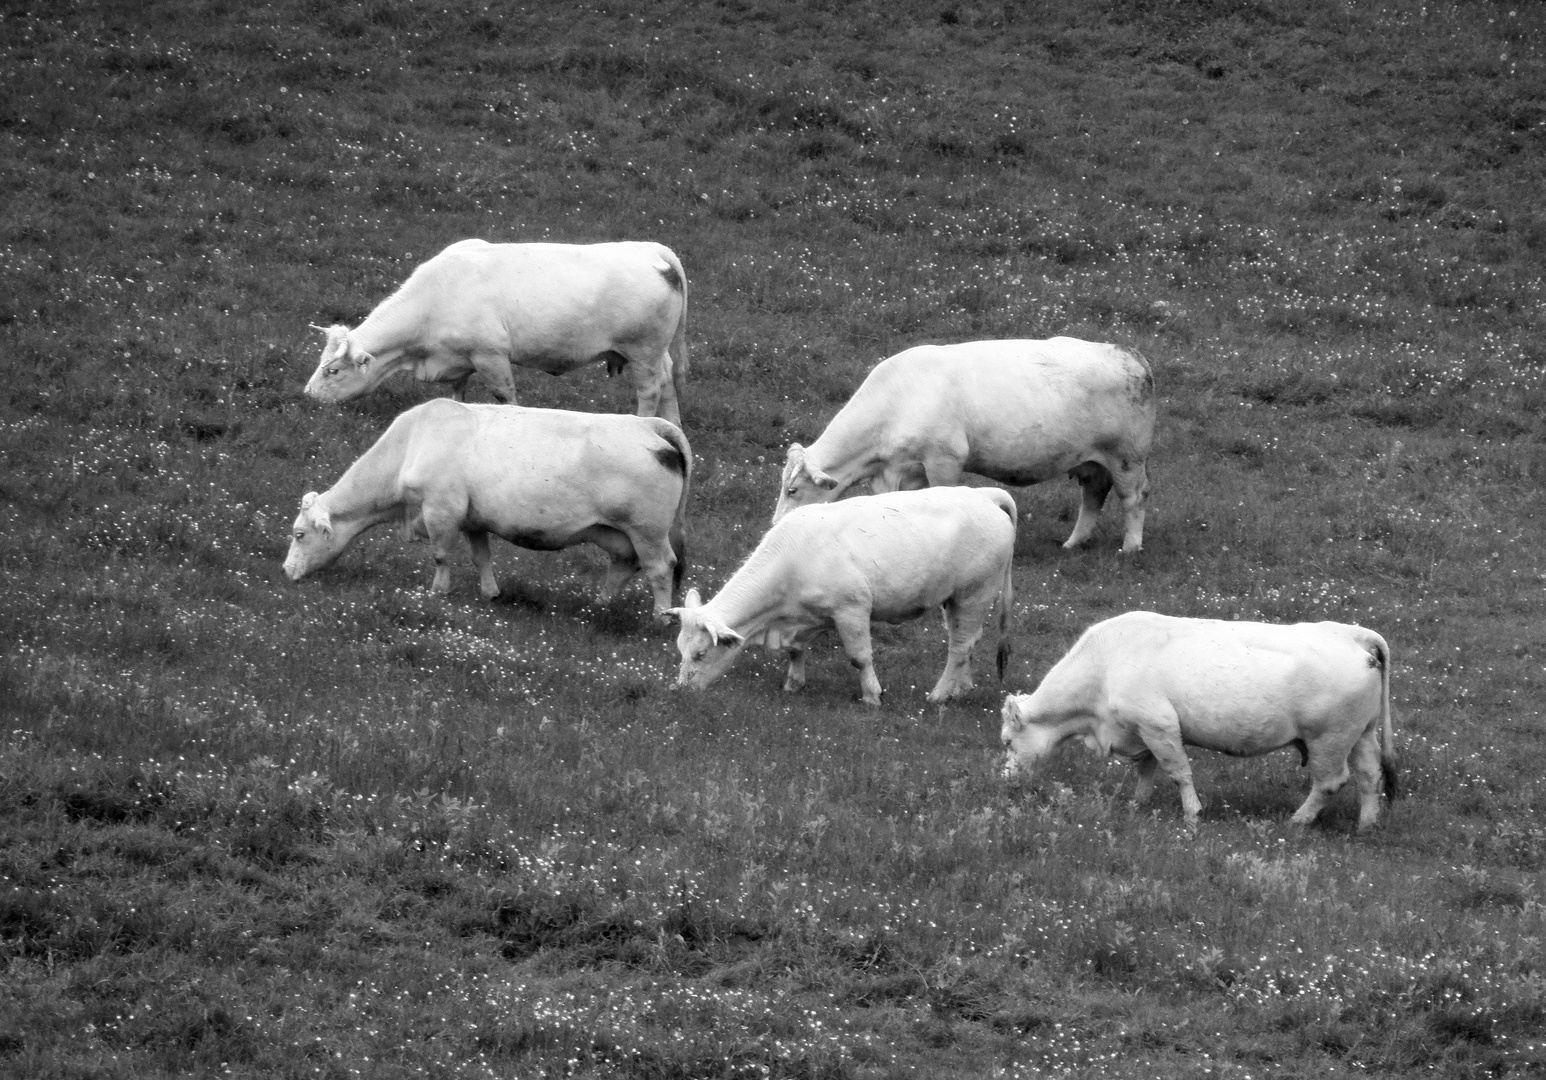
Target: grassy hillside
[(350, 828)]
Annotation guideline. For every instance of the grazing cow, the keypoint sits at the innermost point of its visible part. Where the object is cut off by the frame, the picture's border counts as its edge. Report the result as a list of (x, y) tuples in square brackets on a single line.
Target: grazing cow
[(1016, 412), (1143, 686), (888, 557), (541, 478), (480, 307)]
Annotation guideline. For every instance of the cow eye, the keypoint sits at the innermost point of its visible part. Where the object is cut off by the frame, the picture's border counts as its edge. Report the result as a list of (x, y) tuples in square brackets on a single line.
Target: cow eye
[(791, 490), (699, 654), (332, 371), (300, 534)]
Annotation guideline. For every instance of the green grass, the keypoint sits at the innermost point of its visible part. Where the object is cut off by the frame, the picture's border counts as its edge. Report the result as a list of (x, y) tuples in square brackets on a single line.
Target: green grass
[(351, 828)]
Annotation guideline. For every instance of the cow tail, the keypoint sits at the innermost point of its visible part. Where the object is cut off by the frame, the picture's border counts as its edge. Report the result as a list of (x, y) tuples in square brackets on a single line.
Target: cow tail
[(1388, 734), (678, 348), (1387, 753), (1006, 595), (678, 536)]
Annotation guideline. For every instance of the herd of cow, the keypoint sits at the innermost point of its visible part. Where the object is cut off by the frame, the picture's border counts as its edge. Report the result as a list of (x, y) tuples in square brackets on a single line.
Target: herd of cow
[(1141, 685)]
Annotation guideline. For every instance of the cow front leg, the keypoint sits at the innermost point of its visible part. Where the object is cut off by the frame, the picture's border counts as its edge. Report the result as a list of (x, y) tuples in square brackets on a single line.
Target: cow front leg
[(853, 628), (794, 676), (1147, 767), (487, 585), (441, 544), (495, 369), (1162, 736), (1095, 485)]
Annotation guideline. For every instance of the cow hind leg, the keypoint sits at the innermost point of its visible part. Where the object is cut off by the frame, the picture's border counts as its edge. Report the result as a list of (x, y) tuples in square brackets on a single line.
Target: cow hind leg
[(964, 617), (653, 392), (1095, 484), (653, 555), (1131, 480), (1367, 774), (483, 560), (1328, 772)]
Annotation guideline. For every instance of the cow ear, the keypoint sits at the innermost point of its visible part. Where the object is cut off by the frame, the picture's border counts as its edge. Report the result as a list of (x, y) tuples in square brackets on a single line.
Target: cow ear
[(673, 614), (723, 635), (322, 519), (692, 599), (363, 360), (819, 478)]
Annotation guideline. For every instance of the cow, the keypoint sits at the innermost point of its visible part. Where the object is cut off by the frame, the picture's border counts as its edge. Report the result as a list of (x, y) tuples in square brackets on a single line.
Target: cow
[(541, 478), (480, 307), (1015, 412), (1143, 686), (889, 557)]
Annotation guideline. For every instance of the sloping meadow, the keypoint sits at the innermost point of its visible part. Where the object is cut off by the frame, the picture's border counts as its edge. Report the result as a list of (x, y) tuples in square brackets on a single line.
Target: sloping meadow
[(348, 827)]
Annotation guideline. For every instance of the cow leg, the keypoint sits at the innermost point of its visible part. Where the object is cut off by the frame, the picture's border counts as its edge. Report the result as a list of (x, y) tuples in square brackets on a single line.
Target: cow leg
[(942, 471), (1328, 772), (478, 542), (625, 561), (1132, 484), (1095, 483), (853, 628), (669, 408), (1147, 767), (1366, 775), (443, 529), (652, 388), (655, 557), (964, 617), (1161, 733), (899, 476), (794, 677), (495, 369)]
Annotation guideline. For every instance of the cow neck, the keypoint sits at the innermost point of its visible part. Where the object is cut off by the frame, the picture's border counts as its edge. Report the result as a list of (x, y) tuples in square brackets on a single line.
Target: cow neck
[(753, 596), (385, 329), (368, 489), (850, 450)]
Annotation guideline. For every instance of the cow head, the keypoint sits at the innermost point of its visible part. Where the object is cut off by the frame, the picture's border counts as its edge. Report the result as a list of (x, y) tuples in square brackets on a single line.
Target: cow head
[(344, 371), (1026, 743), (802, 483), (313, 543), (707, 645)]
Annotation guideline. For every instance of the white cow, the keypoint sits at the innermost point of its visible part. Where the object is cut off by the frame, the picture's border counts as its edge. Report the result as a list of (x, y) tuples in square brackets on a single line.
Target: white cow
[(1016, 412), (541, 478), (1143, 686), (889, 557), (480, 307)]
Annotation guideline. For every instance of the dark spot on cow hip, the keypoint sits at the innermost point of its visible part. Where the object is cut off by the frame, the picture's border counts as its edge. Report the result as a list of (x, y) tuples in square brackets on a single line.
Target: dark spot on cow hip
[(670, 457)]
